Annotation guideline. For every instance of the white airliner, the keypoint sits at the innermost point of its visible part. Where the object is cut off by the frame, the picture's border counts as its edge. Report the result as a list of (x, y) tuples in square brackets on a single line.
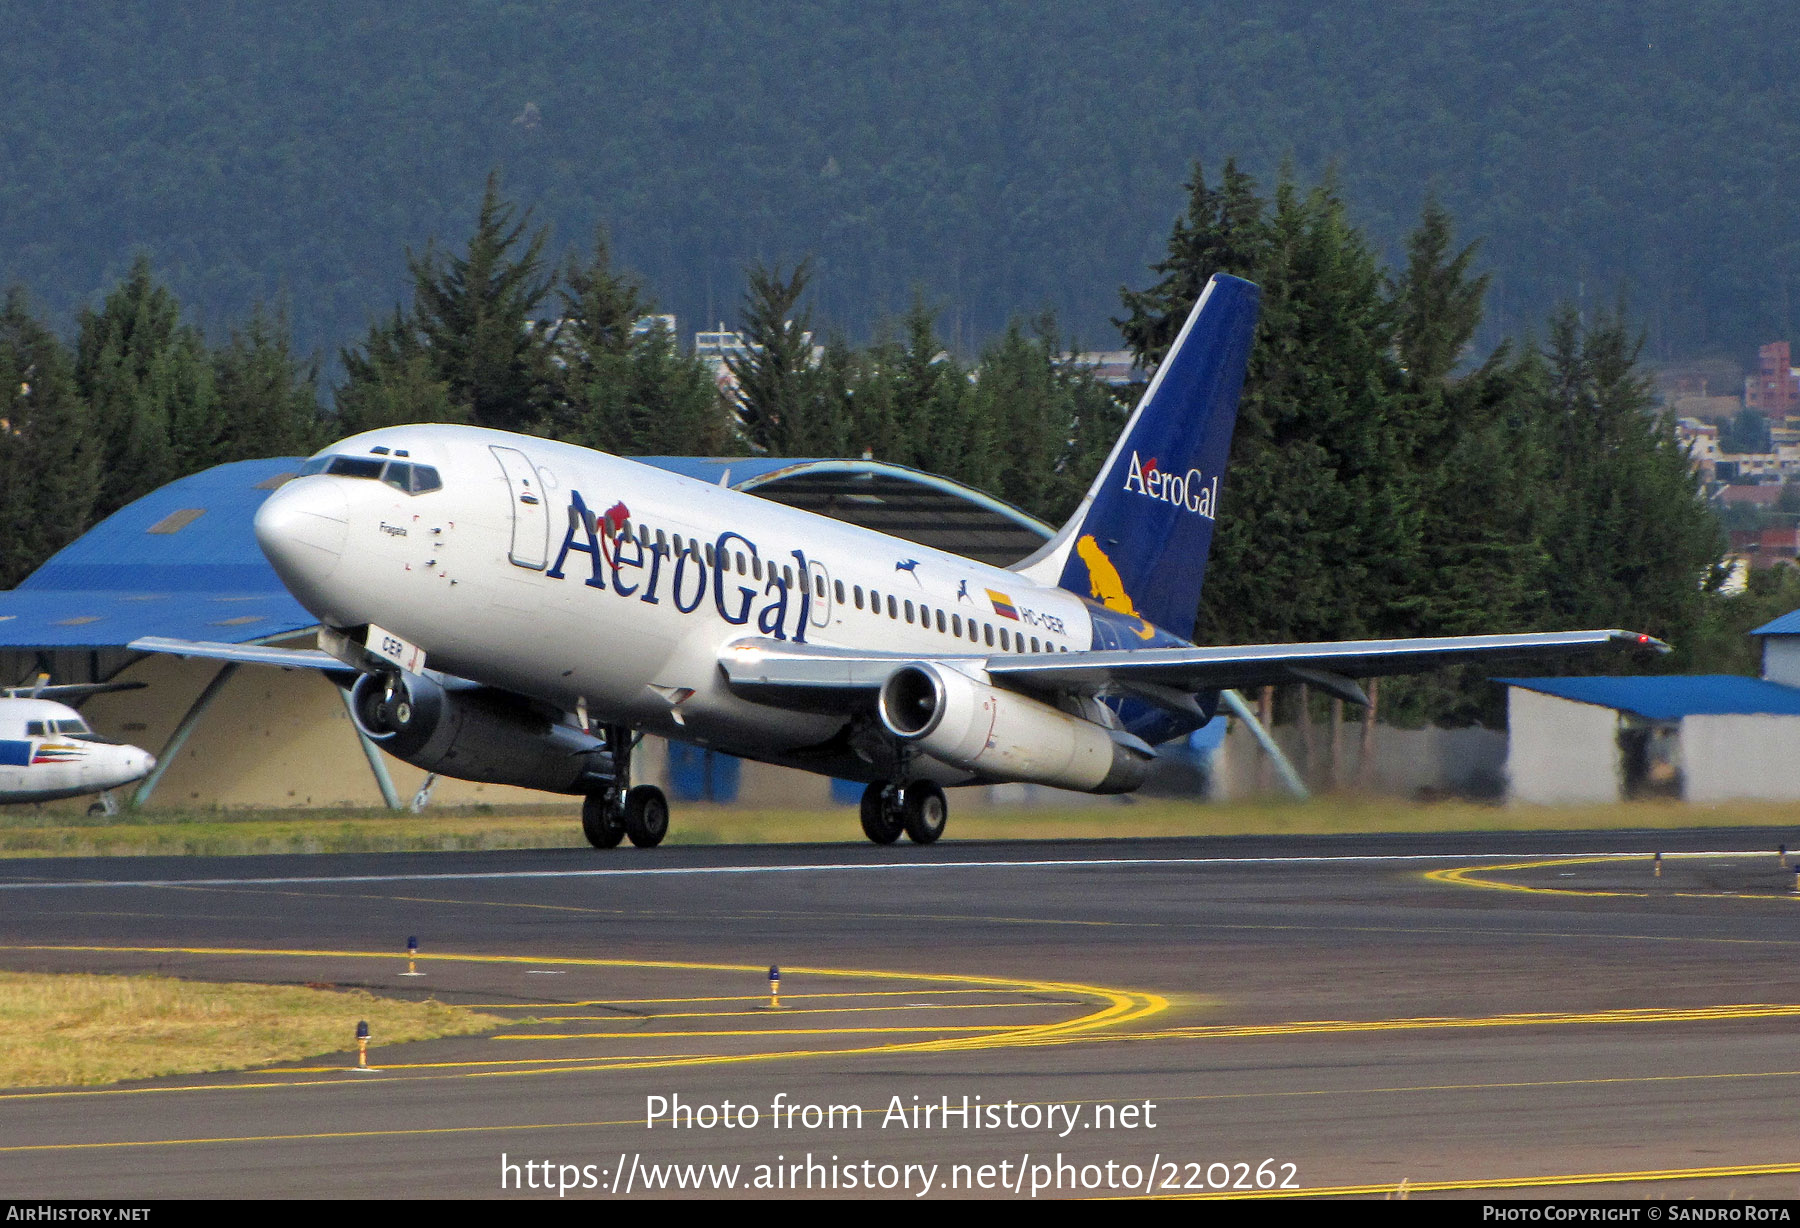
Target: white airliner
[(519, 611), (48, 752)]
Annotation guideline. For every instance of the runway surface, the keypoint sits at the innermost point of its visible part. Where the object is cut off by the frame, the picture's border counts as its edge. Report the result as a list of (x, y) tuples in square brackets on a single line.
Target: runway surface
[(1525, 1014)]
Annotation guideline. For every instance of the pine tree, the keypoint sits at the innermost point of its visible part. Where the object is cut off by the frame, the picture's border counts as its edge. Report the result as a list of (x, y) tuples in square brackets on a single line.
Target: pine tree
[(774, 392), (268, 400), (1629, 543), (49, 451), (476, 316), (148, 380), (391, 380), (1222, 231)]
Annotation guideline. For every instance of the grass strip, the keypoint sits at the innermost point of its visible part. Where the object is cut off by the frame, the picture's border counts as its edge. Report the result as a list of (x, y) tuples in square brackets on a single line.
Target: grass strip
[(73, 1029), (25, 833)]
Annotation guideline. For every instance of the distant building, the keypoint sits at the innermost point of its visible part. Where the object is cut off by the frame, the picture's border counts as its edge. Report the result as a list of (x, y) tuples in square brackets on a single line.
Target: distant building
[(717, 346), (1767, 546), (1774, 389), (1701, 738), (1114, 368)]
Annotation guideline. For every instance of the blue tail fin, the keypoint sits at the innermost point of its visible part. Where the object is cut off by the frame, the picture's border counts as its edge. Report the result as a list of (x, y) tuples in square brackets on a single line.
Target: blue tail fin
[(1139, 540)]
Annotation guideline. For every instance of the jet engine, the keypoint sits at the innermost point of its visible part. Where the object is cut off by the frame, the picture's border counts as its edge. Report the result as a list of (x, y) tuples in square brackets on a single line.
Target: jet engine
[(1003, 735), (473, 732)]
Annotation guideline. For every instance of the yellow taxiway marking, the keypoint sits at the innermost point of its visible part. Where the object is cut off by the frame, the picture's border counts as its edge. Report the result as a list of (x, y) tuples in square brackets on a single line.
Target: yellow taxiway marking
[(1466, 876), (1469, 1185), (988, 1027), (766, 1011), (748, 997), (1107, 1008), (1305, 1027)]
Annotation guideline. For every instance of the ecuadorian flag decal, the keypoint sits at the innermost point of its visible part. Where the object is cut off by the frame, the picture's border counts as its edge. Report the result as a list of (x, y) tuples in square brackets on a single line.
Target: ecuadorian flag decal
[(1003, 605)]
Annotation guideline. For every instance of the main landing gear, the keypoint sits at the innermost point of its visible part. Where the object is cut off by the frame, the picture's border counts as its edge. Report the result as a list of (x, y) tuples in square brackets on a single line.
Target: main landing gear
[(620, 811), (918, 809)]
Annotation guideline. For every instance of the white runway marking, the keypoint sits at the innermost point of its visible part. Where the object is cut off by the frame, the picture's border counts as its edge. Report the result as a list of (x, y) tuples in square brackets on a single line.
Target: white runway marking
[(851, 867)]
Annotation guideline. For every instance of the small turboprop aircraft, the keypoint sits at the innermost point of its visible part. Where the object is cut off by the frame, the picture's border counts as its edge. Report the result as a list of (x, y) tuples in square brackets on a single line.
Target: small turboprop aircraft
[(519, 611), (47, 751)]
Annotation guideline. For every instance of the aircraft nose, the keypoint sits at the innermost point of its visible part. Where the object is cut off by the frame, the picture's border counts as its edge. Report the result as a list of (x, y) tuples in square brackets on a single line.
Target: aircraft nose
[(301, 528)]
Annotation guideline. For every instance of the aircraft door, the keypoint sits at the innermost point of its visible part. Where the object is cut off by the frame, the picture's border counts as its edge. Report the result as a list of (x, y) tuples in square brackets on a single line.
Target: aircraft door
[(820, 579), (530, 515)]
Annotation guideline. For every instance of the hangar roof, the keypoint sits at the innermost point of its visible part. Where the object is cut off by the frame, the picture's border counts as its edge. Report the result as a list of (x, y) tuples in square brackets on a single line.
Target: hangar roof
[(1787, 624), (1671, 697), (182, 561), (907, 503)]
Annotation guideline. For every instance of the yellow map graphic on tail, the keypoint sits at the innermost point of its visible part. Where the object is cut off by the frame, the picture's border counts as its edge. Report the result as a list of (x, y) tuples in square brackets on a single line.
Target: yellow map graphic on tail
[(1105, 585)]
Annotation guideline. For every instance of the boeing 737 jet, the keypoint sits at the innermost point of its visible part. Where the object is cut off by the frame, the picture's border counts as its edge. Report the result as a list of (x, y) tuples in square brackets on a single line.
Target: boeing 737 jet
[(520, 611)]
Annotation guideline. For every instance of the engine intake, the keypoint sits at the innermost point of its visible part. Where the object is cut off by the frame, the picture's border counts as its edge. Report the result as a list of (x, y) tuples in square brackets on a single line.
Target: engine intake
[(473, 732)]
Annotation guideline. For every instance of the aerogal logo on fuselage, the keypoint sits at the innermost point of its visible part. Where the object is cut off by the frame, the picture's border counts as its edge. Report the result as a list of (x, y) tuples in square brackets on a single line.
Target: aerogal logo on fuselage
[(1190, 491), (650, 570)]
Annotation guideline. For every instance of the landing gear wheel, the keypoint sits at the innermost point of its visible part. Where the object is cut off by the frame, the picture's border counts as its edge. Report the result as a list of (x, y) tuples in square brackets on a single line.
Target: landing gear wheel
[(646, 816), (879, 821), (600, 821), (924, 811)]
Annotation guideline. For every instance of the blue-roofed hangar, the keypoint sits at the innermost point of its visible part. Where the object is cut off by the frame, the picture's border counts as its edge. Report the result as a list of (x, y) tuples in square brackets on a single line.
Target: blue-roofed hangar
[(1702, 738), (182, 563)]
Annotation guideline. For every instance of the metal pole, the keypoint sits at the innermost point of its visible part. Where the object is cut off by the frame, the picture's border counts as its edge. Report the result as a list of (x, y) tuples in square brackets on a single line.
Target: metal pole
[(179, 738), (1290, 779), (372, 753)]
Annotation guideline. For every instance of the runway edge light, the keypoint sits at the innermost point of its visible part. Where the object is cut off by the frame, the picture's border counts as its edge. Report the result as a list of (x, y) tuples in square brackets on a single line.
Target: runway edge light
[(362, 1044), (774, 988), (412, 954)]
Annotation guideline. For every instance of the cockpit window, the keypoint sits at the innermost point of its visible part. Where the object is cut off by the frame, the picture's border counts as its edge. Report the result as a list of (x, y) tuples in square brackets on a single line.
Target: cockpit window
[(402, 476), (74, 726), (34, 729)]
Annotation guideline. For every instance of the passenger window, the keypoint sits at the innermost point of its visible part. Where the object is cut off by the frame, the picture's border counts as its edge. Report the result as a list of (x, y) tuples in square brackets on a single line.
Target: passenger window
[(709, 554), (818, 586), (987, 629), (893, 607), (679, 548), (1004, 639), (956, 625), (787, 577), (743, 567), (856, 591), (909, 612), (838, 585), (662, 542), (756, 566), (1034, 643), (940, 622)]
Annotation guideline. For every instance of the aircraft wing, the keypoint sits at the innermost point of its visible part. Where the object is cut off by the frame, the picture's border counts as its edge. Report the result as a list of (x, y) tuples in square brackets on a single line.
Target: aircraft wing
[(794, 675), (68, 690), (249, 654)]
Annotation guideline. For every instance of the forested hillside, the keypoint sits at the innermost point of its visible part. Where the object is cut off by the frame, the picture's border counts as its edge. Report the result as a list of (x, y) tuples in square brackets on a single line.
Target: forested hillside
[(1003, 157)]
